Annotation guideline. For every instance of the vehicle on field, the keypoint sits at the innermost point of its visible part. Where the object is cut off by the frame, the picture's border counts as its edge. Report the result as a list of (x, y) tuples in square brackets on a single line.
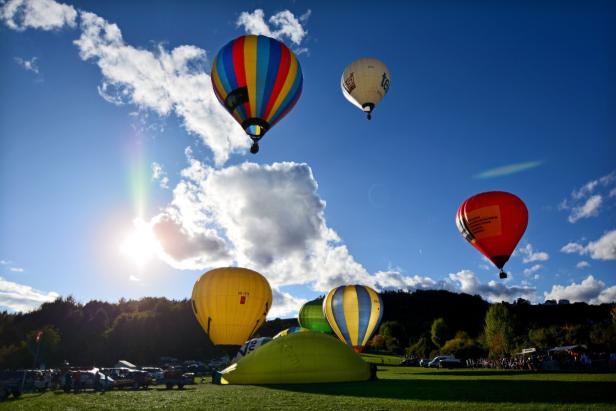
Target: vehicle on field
[(175, 376), (13, 383), (424, 362), (445, 361), (156, 373), (410, 362)]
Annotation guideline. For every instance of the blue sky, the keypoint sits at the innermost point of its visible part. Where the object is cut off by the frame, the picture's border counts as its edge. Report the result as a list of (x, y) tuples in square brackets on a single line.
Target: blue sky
[(107, 131)]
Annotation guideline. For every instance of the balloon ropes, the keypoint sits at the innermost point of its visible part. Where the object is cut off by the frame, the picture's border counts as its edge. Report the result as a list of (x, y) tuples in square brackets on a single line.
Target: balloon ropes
[(311, 316), (364, 83), (258, 80), (231, 304), (493, 223), (354, 312)]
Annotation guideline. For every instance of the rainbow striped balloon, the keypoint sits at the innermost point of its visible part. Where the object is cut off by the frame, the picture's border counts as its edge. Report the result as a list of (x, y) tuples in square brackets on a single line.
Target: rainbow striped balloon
[(258, 80), (354, 312)]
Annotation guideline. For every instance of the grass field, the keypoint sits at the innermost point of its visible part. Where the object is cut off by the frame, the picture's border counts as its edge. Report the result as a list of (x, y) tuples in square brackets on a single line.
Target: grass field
[(397, 388)]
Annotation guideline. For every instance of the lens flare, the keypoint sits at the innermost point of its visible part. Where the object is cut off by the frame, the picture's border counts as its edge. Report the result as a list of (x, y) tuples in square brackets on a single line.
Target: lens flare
[(140, 245)]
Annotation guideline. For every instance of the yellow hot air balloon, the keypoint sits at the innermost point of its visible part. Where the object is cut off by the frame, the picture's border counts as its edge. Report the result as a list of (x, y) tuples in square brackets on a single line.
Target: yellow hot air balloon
[(364, 83), (231, 304), (354, 312)]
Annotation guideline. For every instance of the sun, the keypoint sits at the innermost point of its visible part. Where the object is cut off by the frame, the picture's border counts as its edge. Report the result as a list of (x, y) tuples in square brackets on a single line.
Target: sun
[(140, 244)]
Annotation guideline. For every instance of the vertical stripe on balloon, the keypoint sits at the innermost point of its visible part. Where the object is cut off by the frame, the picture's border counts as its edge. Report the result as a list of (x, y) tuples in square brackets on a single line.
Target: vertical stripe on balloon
[(250, 62), (339, 314)]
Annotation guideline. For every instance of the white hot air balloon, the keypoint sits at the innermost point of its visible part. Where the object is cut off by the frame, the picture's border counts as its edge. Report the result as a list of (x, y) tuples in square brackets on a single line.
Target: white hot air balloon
[(365, 82)]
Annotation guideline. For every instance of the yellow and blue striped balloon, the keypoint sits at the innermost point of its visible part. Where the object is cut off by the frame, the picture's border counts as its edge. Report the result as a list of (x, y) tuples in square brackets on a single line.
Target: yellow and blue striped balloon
[(354, 312), (258, 80)]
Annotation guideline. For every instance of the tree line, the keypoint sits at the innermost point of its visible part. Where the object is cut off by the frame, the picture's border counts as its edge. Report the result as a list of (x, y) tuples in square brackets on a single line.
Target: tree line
[(421, 323)]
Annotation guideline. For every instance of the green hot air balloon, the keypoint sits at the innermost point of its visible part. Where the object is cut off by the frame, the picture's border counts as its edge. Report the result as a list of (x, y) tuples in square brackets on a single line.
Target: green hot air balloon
[(311, 317)]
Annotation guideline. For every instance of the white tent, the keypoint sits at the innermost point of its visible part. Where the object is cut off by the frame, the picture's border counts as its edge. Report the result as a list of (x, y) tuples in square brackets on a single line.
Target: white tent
[(124, 364)]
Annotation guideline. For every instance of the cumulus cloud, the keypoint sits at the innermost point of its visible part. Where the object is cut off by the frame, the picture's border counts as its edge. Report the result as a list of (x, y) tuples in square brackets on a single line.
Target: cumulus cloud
[(160, 175), (590, 208), (37, 14), (582, 264), (185, 247), (532, 270), (282, 24), (530, 255), (602, 249), (19, 297), (467, 282), (28, 65), (588, 200), (165, 81), (284, 304), (590, 290)]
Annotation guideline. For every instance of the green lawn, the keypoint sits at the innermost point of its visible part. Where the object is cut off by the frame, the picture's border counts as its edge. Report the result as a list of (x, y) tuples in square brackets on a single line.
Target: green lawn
[(397, 388)]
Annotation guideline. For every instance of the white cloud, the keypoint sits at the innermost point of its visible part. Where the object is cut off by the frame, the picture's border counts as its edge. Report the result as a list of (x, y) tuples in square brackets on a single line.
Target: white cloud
[(28, 65), (602, 249), (590, 290), (165, 81), (571, 248), (160, 175), (134, 279), (532, 255), (282, 24), (582, 264), (284, 304), (532, 270), (16, 269), (19, 297), (37, 14), (467, 282), (589, 209), (188, 248), (587, 201)]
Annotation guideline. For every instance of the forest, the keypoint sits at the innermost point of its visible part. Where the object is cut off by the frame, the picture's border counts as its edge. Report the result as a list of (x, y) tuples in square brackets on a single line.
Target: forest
[(420, 323)]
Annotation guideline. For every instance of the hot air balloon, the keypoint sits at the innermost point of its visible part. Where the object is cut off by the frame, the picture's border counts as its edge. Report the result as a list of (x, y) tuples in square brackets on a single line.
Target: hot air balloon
[(291, 330), (493, 223), (354, 313), (258, 80), (231, 304), (311, 317), (250, 346), (364, 83)]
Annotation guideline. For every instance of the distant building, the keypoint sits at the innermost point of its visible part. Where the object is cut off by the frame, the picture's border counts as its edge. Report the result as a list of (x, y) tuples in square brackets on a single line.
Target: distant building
[(549, 302), (563, 302)]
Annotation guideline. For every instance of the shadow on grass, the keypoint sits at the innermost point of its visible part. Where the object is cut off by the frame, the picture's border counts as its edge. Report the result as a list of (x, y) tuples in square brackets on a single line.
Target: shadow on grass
[(469, 391)]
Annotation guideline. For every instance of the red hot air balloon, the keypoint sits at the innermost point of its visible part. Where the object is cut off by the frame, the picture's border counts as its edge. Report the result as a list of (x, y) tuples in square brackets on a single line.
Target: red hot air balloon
[(493, 223)]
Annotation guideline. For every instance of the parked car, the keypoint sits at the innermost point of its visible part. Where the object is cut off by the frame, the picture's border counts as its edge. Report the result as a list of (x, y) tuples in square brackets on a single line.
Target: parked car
[(140, 379), (424, 362), (410, 362), (175, 376), (11, 383), (155, 373), (444, 361)]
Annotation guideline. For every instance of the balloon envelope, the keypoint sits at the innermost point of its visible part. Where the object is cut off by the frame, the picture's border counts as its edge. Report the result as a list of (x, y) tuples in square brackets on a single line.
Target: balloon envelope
[(299, 358), (258, 80), (493, 222), (354, 312), (311, 317), (231, 304), (249, 346), (365, 82), (291, 330)]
